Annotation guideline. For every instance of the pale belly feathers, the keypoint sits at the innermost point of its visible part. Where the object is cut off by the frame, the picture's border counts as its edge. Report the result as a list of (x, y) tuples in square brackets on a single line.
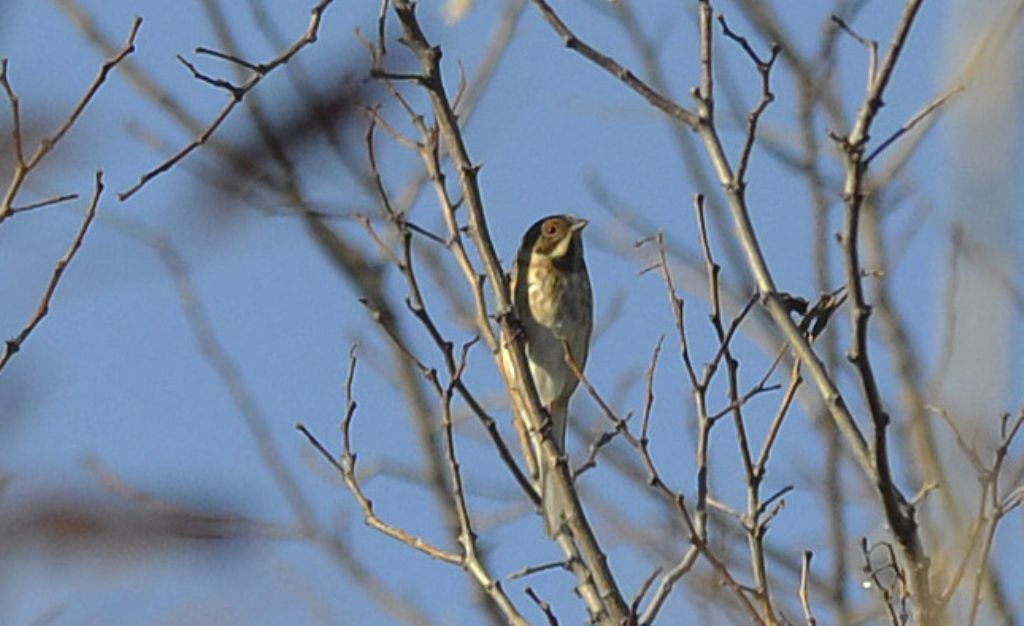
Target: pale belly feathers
[(555, 317)]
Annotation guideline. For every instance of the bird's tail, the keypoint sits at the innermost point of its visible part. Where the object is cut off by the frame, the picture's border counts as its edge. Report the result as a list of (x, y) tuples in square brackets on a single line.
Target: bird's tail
[(553, 505)]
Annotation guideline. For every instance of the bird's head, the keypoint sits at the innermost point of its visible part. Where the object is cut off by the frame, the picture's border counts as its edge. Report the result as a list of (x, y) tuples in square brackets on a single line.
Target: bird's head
[(554, 236)]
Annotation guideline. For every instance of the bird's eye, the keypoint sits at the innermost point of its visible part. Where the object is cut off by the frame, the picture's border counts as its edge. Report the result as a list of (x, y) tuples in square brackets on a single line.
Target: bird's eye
[(551, 229)]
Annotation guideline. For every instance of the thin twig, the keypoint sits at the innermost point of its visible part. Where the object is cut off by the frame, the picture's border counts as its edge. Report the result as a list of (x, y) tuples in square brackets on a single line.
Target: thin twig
[(13, 345), (66, 197), (649, 389), (917, 118), (869, 44), (536, 569), (346, 468), (610, 65), (306, 38), (471, 555), (545, 608), (23, 166), (764, 68), (805, 596)]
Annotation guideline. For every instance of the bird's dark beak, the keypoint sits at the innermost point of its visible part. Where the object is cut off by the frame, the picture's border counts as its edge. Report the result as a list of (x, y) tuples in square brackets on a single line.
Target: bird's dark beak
[(578, 225)]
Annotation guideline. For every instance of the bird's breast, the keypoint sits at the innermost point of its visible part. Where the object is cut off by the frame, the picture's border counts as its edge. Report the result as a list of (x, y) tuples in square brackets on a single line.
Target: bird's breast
[(560, 302), (545, 293), (559, 309)]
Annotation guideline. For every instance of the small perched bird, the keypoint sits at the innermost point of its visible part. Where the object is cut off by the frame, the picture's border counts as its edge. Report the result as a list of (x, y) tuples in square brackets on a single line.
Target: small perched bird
[(553, 301)]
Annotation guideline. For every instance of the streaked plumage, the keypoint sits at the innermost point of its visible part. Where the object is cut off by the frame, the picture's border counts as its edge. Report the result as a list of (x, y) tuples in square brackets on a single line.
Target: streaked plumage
[(552, 297)]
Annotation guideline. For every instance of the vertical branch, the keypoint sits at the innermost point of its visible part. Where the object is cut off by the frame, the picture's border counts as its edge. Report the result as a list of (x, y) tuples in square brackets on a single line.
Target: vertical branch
[(735, 192), (497, 606), (471, 560), (696, 168), (595, 580), (899, 513), (873, 459), (752, 519), (809, 92), (704, 125), (805, 597), (697, 523), (705, 95), (989, 478)]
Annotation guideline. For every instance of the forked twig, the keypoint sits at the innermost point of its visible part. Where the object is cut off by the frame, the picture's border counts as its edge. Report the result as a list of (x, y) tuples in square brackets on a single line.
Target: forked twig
[(24, 165), (346, 468), (13, 345), (237, 95)]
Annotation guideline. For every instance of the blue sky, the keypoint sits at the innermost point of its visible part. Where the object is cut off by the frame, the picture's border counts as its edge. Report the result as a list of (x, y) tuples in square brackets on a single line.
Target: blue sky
[(114, 373)]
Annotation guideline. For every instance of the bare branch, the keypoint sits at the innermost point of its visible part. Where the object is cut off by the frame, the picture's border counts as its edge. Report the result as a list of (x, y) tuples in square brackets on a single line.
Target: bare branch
[(471, 558), (764, 68), (236, 92), (305, 39), (13, 345), (649, 389), (595, 580), (610, 65), (869, 44), (899, 513), (253, 67), (346, 467), (24, 166), (805, 596), (66, 197), (929, 109), (545, 608)]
